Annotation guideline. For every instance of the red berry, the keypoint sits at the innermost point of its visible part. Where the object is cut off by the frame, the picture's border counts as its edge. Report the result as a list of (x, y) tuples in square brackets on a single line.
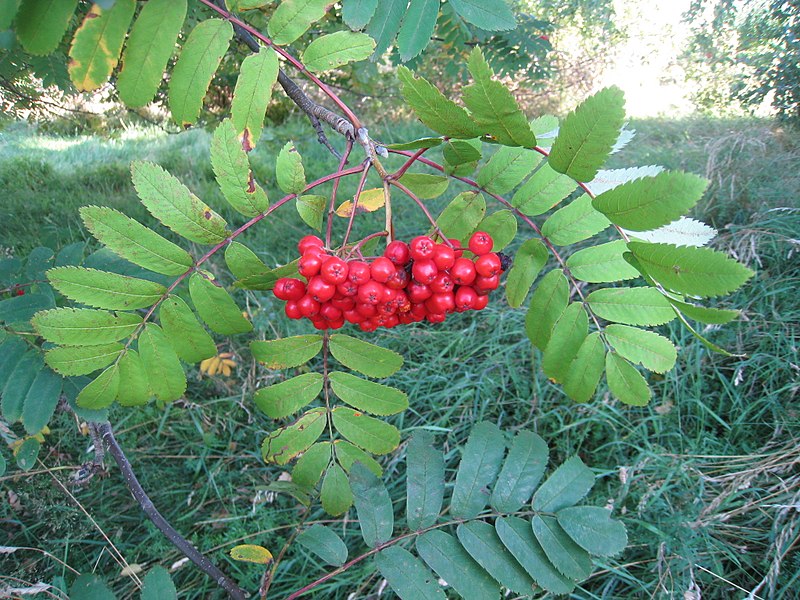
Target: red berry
[(358, 272), (435, 318), (330, 312), (371, 292), (353, 316), (424, 271), (486, 284), (465, 298), (19, 292), (334, 270), (309, 241), (292, 310), (337, 324), (397, 252), (417, 292), (443, 283), (344, 303), (320, 290), (418, 311), (488, 265), (480, 243), (457, 247), (382, 269), (287, 288), (308, 306), (440, 303), (399, 280), (444, 257), (347, 289), (421, 247), (309, 265), (463, 271), (366, 310), (481, 302)]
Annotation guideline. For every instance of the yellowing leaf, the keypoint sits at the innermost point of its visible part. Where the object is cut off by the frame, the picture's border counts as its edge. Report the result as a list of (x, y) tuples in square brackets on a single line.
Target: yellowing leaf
[(223, 364), (251, 553), (369, 201)]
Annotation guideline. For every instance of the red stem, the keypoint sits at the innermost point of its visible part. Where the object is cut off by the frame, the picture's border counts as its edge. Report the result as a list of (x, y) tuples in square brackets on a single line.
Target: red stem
[(360, 189), (331, 207), (424, 209), (402, 170)]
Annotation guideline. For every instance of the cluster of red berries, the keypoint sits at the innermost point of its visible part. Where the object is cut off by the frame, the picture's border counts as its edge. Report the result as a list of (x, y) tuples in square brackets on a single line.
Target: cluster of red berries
[(421, 280)]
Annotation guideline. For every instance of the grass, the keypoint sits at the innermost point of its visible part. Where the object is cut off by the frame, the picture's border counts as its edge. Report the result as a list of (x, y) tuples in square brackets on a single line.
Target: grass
[(706, 478)]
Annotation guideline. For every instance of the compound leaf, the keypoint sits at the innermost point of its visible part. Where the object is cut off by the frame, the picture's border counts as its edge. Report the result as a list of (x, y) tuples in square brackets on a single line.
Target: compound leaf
[(243, 262), (157, 584), (368, 396), (425, 186), (105, 290), (480, 463), (424, 481), (521, 472), (347, 455), (289, 170), (385, 23), (41, 24), (40, 401), (366, 358), (311, 209), (544, 189), (417, 29), (451, 562), (592, 528), (528, 263), (565, 487), (216, 307), (502, 226), (602, 264), (586, 369), (189, 339), (283, 399), (102, 391), (507, 168), (483, 544), (311, 465), (357, 13), (491, 16), (373, 506), (167, 379), (284, 444), (647, 348), (569, 558), (366, 432), (22, 374), (704, 314), (287, 352), (134, 385)]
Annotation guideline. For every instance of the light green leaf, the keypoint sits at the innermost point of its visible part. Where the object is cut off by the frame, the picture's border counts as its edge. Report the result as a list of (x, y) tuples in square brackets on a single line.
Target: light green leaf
[(150, 45), (507, 168), (251, 553), (289, 170), (586, 369), (593, 530), (588, 134), (40, 24), (647, 348), (566, 486), (323, 542), (84, 326), (575, 222), (336, 495), (602, 264), (545, 189), (424, 481), (693, 271), (480, 463), (451, 562), (134, 385), (72, 360), (21, 375), (266, 281), (704, 314), (435, 110), (292, 19), (651, 202), (385, 24), (566, 338), (336, 49), (243, 262), (424, 142), (105, 290), (216, 307), (368, 396), (461, 156), (40, 401), (253, 91), (287, 352), (311, 209), (347, 455), (365, 432), (164, 370), (407, 576), (547, 304), (494, 109), (97, 44), (232, 171), (491, 16), (283, 399), (283, 445), (133, 241), (417, 29), (528, 263), (633, 306), (521, 472), (373, 506), (102, 391), (8, 10), (157, 584), (311, 465), (625, 382), (424, 186), (357, 13), (460, 218), (566, 556), (366, 358), (171, 202), (190, 341), (502, 226)]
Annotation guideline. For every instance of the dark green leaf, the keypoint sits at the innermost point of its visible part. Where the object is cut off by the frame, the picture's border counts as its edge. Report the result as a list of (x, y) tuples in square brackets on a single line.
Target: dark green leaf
[(368, 396), (450, 561), (566, 338), (586, 369), (40, 401), (366, 432), (407, 576), (565, 487), (521, 472), (20, 309), (357, 13), (323, 542), (167, 379), (157, 584), (190, 341), (283, 399), (492, 16), (41, 24), (592, 528), (336, 495), (287, 442), (373, 506), (385, 23), (547, 304), (528, 263), (216, 307), (480, 463), (481, 541), (424, 481), (27, 454), (366, 358), (625, 382), (417, 29), (566, 556), (19, 382)]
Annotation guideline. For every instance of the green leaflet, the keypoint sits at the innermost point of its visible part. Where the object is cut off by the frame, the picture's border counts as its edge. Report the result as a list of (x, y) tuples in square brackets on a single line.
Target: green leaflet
[(451, 562), (424, 481), (283, 399), (632, 306), (81, 360), (490, 16), (483, 544), (566, 556), (347, 455), (693, 271), (216, 307), (586, 369), (134, 385), (592, 528), (704, 314), (197, 63), (257, 75), (647, 348), (20, 309), (84, 326), (480, 463), (105, 290), (336, 495), (385, 24), (502, 226), (150, 45), (190, 341), (292, 19), (602, 264), (424, 186), (323, 542), (625, 382), (287, 352), (368, 396), (232, 171), (544, 189), (8, 10), (507, 168), (164, 370), (309, 468), (133, 241), (366, 358), (97, 44), (650, 202), (588, 134), (102, 391), (494, 109), (365, 432), (461, 156), (407, 576), (40, 401), (521, 472), (40, 24), (287, 442), (16, 387), (373, 506), (311, 209), (460, 218), (575, 222), (566, 486), (289, 170), (157, 585), (417, 29), (27, 454), (547, 303), (243, 262), (171, 202), (424, 142), (357, 13), (266, 280), (566, 338), (336, 49), (435, 110), (528, 263)]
